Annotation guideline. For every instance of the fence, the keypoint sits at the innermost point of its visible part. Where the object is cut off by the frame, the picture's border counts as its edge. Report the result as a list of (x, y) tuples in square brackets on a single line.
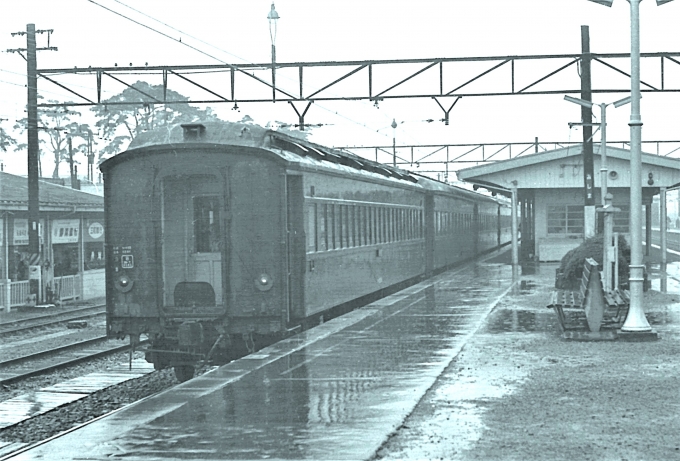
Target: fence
[(64, 288)]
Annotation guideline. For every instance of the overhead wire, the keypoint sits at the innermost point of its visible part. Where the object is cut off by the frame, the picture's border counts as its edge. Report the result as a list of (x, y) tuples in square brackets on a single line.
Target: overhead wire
[(336, 113)]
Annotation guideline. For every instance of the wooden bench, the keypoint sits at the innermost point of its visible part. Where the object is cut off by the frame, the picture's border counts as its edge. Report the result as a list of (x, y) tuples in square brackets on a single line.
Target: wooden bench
[(602, 308)]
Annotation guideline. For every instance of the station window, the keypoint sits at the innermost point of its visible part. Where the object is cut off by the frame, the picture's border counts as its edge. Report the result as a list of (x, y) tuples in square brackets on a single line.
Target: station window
[(565, 219)]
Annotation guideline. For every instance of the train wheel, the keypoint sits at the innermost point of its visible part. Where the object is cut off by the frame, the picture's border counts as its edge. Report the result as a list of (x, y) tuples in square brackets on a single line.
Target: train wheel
[(184, 372)]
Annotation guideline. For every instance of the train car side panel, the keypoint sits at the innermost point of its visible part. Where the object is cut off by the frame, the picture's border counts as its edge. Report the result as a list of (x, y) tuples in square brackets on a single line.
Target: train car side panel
[(361, 237)]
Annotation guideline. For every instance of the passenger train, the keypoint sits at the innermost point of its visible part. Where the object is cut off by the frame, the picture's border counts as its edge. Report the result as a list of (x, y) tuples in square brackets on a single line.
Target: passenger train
[(223, 236)]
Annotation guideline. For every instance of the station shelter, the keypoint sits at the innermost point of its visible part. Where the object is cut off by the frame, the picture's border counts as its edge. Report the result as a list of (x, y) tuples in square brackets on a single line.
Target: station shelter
[(70, 265), (550, 194)]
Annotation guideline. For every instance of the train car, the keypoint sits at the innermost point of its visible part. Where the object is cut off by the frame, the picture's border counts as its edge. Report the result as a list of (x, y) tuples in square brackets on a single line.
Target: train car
[(225, 236)]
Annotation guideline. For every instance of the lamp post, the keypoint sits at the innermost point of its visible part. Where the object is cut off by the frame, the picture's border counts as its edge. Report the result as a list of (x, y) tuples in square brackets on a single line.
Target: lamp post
[(394, 143), (603, 135), (636, 322), (607, 208), (273, 18)]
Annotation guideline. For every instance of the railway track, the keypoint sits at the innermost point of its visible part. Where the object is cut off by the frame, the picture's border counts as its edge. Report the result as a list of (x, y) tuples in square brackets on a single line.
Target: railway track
[(39, 363), (50, 319)]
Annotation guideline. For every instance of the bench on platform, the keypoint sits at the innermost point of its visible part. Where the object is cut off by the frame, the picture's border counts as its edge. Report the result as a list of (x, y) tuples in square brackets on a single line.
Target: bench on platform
[(602, 308)]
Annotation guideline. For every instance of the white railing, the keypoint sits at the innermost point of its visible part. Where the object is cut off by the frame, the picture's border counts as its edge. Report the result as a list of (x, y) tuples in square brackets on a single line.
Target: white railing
[(67, 287), (19, 293)]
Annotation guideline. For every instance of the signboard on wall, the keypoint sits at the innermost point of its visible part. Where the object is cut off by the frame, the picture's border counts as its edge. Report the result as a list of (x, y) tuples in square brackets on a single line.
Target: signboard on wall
[(95, 231), (65, 231), (20, 235)]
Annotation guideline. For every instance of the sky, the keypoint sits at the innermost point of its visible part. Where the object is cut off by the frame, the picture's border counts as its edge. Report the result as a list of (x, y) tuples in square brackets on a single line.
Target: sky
[(89, 33)]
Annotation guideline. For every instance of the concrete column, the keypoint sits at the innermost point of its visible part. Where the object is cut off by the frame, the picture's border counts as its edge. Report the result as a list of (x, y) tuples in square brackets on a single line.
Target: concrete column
[(648, 229), (663, 225), (515, 246), (8, 295)]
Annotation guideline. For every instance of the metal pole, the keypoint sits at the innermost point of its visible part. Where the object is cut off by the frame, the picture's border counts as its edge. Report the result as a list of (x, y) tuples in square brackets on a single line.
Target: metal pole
[(274, 72), (603, 151), (394, 143), (636, 320)]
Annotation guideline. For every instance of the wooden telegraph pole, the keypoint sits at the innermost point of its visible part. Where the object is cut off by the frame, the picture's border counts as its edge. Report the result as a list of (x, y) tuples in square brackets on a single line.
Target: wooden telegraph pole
[(33, 145)]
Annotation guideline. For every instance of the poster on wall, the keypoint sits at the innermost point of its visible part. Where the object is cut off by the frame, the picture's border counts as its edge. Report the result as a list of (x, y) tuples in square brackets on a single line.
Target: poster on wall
[(65, 231), (20, 235)]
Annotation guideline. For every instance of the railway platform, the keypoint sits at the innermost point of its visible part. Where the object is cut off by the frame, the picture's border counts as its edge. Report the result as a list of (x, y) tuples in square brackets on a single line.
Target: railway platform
[(335, 391), (467, 365)]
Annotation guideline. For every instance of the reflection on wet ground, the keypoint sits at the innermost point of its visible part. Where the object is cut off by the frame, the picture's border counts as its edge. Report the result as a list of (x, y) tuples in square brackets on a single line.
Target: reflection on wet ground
[(316, 396), (516, 320)]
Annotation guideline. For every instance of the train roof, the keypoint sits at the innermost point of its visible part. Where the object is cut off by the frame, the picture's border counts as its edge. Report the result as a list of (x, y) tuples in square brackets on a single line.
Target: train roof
[(285, 146)]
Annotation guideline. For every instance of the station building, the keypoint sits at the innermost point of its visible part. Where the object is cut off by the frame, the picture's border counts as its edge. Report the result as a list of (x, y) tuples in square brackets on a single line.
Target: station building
[(71, 261), (551, 196)]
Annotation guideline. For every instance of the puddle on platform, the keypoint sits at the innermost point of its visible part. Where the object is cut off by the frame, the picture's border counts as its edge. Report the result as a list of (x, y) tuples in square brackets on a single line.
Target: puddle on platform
[(515, 320)]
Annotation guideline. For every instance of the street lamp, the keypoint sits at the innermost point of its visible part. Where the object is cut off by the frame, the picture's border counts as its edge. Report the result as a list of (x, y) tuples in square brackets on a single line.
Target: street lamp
[(606, 263), (603, 134), (636, 322), (273, 18)]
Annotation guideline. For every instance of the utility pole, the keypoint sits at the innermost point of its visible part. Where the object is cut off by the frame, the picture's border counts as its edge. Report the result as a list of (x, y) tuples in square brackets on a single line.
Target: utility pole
[(33, 145), (587, 119)]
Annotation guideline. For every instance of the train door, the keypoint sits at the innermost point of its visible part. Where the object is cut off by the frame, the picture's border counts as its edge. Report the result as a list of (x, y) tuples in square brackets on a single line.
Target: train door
[(205, 262), (296, 246), (192, 226)]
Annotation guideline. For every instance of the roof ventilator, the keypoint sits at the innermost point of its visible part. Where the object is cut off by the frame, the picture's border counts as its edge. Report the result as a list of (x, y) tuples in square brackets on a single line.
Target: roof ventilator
[(193, 131)]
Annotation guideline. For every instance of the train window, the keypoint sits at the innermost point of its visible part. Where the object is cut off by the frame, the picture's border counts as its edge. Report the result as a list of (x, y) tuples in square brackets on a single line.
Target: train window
[(321, 236), (332, 228), (207, 224), (353, 225), (344, 231), (369, 231), (311, 227), (390, 224)]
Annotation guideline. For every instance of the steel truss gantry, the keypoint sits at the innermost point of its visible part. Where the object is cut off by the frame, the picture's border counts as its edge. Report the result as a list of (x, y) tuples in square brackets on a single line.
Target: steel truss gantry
[(444, 80), (377, 80), (417, 157)]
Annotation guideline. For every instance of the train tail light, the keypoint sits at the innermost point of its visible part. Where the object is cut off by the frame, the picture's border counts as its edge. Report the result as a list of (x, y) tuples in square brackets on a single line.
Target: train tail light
[(123, 283), (263, 282)]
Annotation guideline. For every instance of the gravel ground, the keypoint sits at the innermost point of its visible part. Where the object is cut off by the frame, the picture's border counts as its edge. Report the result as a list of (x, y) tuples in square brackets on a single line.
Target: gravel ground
[(92, 406), (518, 391)]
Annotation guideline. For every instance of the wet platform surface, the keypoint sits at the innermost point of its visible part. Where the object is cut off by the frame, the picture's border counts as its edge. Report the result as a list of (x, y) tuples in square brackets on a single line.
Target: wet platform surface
[(25, 406), (334, 392)]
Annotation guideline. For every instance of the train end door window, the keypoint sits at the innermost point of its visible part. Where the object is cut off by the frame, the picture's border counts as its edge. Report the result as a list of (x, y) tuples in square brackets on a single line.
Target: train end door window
[(207, 224)]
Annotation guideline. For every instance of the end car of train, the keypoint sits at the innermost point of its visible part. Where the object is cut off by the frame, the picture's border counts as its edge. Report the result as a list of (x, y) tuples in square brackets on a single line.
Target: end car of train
[(222, 236)]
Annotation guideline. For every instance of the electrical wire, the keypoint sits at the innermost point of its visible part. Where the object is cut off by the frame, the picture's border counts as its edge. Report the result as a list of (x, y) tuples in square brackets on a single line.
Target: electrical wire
[(203, 52)]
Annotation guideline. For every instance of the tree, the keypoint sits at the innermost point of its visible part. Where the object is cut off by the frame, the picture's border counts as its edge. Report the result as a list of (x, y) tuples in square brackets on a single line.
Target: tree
[(120, 123), (6, 140), (55, 128)]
